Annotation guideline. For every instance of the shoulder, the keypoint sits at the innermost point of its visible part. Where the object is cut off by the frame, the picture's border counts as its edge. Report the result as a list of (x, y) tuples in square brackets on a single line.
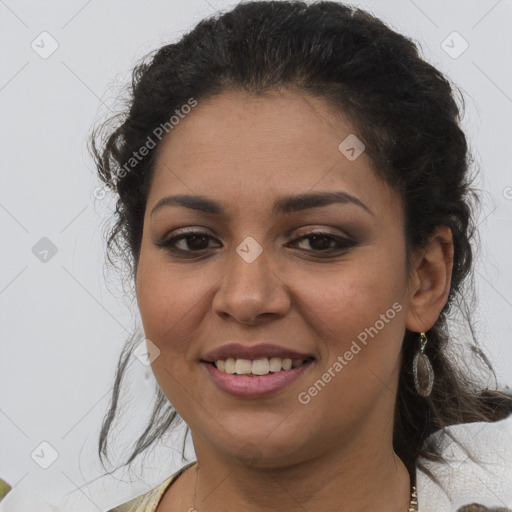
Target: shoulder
[(148, 502), (477, 472)]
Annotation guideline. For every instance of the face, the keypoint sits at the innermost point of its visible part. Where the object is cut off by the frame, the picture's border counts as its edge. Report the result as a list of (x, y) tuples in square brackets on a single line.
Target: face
[(323, 281)]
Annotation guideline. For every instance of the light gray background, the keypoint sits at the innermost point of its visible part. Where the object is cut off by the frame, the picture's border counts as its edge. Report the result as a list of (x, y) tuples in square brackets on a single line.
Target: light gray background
[(62, 325)]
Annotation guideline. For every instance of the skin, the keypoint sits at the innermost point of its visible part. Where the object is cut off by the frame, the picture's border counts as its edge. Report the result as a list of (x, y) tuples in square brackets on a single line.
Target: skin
[(245, 151)]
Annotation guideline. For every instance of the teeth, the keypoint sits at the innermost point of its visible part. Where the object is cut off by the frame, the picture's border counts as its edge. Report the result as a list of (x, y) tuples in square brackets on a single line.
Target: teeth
[(243, 366), (275, 364), (262, 366), (230, 366)]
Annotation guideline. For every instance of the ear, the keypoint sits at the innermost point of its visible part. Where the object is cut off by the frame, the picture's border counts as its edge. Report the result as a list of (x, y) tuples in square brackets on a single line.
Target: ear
[(429, 283)]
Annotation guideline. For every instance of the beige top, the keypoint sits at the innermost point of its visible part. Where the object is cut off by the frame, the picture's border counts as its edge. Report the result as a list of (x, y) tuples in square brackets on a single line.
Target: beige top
[(149, 501)]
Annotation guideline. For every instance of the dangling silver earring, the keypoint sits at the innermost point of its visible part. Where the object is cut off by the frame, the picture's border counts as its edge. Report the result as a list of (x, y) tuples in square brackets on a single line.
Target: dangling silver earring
[(422, 370)]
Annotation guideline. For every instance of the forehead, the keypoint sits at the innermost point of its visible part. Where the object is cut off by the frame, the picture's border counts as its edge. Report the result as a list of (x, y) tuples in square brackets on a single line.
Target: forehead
[(281, 125), (242, 146)]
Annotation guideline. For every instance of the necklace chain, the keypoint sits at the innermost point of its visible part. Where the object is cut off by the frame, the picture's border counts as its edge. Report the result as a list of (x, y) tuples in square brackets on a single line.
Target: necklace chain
[(413, 504)]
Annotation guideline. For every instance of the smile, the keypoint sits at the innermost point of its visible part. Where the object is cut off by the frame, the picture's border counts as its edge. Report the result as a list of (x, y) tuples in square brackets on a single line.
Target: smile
[(258, 367), (256, 378)]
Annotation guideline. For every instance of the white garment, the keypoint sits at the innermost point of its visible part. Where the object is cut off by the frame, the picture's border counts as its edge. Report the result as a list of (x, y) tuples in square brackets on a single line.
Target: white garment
[(487, 482)]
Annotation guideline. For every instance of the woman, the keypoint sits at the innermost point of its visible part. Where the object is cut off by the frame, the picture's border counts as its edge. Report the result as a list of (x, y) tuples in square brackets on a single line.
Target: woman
[(293, 197)]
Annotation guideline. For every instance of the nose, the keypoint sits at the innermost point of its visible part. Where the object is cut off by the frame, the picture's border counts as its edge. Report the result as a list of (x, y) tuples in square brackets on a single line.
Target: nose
[(251, 292)]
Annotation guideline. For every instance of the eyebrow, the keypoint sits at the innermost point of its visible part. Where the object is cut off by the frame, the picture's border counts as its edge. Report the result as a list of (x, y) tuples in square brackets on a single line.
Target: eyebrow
[(282, 205)]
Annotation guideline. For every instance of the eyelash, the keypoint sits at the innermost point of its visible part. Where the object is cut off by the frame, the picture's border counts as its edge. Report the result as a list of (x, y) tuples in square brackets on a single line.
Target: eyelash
[(343, 243)]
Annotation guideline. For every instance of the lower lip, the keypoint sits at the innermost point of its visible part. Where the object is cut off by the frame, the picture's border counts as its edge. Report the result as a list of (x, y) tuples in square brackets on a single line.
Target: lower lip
[(254, 387)]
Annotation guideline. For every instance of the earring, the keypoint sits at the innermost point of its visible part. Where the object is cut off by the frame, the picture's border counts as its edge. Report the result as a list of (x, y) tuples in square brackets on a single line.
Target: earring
[(422, 370)]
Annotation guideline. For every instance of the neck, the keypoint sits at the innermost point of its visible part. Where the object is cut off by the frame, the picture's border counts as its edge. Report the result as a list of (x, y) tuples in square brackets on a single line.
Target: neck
[(357, 481)]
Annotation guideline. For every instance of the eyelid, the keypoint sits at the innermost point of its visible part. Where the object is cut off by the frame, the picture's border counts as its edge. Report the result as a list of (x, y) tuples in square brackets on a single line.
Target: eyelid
[(322, 230), (344, 242), (314, 229), (180, 234), (192, 230)]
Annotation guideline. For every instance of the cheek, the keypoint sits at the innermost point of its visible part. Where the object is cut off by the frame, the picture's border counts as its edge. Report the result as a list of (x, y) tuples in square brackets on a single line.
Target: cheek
[(358, 313), (358, 318), (171, 308), (168, 303), (354, 297)]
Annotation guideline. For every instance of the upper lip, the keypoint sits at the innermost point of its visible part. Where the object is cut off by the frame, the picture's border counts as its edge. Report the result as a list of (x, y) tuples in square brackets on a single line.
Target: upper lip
[(239, 351)]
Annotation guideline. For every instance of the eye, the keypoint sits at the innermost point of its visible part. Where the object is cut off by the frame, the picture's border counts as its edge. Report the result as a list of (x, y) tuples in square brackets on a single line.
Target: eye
[(191, 241), (322, 242)]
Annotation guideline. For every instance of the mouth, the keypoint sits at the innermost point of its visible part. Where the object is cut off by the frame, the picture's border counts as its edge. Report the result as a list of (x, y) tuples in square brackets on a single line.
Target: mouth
[(253, 371), (256, 378), (257, 367)]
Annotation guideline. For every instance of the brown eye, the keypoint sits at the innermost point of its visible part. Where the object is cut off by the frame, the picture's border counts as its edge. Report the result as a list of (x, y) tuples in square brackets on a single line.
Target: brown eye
[(324, 242), (192, 241), (321, 243)]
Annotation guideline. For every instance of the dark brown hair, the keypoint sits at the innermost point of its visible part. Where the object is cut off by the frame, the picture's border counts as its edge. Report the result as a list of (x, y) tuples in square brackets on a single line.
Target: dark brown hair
[(405, 113)]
